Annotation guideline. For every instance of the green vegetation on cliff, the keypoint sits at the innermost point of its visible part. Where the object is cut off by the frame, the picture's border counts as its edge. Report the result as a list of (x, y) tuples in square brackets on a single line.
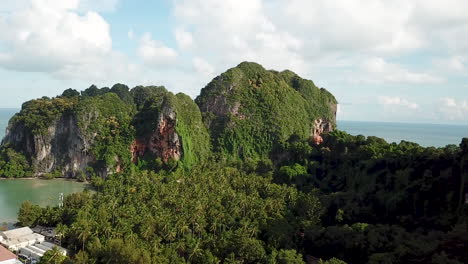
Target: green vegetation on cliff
[(105, 120), (38, 115), (194, 135), (108, 122), (156, 104), (249, 109)]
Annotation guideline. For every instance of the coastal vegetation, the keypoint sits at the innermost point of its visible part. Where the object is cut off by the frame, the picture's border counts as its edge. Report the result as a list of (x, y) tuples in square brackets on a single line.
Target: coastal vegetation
[(238, 176), (355, 199)]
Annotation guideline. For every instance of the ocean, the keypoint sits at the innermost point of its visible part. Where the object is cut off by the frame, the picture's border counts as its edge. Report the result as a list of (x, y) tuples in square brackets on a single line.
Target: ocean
[(427, 135), (424, 134)]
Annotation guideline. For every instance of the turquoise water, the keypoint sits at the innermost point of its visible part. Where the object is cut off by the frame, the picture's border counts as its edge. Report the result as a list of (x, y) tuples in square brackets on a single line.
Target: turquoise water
[(424, 134), (42, 192)]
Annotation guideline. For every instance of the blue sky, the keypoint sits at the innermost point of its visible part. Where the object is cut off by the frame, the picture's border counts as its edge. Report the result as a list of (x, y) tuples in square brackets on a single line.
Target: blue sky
[(403, 61)]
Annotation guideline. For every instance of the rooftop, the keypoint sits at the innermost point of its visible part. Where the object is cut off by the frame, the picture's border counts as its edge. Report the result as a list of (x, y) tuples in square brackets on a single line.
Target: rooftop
[(5, 254), (16, 233), (23, 239)]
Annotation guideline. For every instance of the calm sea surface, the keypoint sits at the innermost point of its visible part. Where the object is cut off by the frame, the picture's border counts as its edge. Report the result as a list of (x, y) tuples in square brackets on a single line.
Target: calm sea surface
[(424, 134)]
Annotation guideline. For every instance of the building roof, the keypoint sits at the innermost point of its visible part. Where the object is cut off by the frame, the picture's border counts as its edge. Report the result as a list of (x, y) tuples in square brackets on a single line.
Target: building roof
[(5, 254), (16, 233), (51, 246), (23, 239)]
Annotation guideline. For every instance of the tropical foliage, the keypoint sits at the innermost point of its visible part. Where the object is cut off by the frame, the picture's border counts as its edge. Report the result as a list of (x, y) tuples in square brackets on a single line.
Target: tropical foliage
[(297, 208), (249, 109)]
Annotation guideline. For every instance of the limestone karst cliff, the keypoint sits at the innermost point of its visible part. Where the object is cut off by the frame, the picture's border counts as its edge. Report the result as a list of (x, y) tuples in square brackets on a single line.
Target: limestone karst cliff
[(104, 133), (62, 146), (241, 114)]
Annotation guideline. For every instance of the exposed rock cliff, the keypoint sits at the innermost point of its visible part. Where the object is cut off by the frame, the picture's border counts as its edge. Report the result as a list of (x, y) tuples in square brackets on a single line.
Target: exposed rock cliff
[(163, 141), (320, 127), (170, 127), (104, 132), (63, 147)]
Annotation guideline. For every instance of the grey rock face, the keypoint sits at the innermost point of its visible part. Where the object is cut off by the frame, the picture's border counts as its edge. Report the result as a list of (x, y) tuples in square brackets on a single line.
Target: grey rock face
[(62, 148)]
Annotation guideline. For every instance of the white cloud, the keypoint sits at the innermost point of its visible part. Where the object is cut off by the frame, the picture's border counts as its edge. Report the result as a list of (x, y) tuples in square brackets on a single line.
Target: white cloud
[(184, 38), (452, 64), (453, 109), (115, 68), (81, 5), (397, 102), (155, 53), (203, 67), (308, 37), (99, 5), (375, 25), (342, 26), (130, 34), (45, 38), (231, 31), (377, 70)]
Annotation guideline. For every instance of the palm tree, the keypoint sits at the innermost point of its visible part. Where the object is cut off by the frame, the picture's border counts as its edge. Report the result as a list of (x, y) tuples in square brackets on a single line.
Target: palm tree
[(60, 231), (53, 256), (83, 234)]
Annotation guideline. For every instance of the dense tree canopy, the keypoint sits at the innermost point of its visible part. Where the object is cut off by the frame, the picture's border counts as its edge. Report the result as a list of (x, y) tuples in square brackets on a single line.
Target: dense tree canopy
[(326, 204)]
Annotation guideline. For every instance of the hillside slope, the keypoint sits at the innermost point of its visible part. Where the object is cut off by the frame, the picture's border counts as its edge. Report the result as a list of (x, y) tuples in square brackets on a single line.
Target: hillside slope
[(249, 109)]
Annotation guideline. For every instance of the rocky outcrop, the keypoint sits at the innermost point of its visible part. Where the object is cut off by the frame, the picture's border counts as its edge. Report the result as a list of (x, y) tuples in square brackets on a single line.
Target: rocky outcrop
[(63, 147), (219, 106), (320, 127), (163, 142)]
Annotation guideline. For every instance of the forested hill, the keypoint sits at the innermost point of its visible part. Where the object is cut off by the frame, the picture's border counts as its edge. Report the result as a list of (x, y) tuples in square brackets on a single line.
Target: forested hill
[(243, 113), (252, 171), (249, 110)]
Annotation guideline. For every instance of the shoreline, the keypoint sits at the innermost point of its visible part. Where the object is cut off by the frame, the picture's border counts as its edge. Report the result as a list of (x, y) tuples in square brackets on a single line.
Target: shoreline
[(44, 179)]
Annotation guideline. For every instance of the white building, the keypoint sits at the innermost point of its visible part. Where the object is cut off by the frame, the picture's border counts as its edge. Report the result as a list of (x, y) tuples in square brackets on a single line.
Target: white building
[(6, 257), (36, 251), (19, 238)]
